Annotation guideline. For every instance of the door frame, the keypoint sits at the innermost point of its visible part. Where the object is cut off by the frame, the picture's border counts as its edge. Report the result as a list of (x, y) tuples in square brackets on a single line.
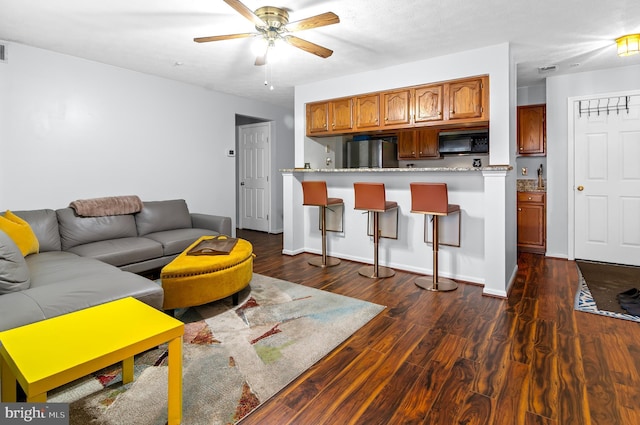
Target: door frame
[(571, 173), (240, 202)]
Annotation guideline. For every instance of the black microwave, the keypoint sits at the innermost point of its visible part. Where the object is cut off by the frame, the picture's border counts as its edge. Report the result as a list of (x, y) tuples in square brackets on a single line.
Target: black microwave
[(463, 142)]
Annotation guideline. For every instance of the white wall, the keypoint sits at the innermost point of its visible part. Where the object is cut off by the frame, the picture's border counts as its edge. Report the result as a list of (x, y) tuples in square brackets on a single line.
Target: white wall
[(559, 89), (72, 128)]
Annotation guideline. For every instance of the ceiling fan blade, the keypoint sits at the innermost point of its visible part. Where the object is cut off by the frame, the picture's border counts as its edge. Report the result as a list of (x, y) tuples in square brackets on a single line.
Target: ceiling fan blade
[(322, 20), (223, 37), (246, 12), (308, 46)]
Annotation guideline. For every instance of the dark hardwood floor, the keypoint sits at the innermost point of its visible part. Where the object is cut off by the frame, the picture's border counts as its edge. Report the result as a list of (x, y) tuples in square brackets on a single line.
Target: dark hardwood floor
[(460, 357)]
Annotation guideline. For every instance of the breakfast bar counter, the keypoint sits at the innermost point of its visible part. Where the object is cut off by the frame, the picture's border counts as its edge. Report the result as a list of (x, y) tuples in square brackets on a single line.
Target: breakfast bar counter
[(399, 170), (475, 189)]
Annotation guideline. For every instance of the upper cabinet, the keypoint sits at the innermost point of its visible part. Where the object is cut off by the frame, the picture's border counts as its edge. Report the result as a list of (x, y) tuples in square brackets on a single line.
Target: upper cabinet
[(396, 108), (367, 112), (466, 99), (457, 102), (317, 118), (428, 104), (341, 115), (330, 117), (532, 133), (418, 144)]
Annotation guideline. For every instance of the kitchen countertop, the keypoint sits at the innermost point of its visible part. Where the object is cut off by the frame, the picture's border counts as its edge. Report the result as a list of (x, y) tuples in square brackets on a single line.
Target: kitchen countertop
[(530, 185), (397, 170)]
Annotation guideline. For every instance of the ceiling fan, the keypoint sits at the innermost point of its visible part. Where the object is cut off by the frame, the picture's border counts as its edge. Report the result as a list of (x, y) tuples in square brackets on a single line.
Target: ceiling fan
[(272, 23)]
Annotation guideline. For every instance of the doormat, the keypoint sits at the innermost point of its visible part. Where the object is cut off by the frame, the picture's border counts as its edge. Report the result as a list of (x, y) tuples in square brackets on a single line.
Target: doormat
[(234, 358), (584, 300)]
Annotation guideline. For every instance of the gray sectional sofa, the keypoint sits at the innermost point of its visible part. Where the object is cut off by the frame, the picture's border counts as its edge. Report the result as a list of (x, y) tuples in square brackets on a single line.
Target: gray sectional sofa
[(86, 261)]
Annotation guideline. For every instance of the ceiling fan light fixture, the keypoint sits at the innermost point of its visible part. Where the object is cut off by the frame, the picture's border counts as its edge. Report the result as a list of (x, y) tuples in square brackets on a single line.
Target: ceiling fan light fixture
[(259, 45), (628, 44)]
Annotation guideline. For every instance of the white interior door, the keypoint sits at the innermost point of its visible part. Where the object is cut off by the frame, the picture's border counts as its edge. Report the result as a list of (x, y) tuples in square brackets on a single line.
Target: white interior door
[(254, 166), (607, 183)]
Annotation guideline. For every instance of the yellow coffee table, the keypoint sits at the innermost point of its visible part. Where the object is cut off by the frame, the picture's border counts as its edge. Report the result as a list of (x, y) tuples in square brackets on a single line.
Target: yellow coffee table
[(45, 355)]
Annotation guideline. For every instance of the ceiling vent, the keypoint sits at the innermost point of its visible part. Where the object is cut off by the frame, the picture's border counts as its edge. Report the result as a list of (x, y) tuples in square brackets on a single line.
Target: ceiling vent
[(548, 68), (3, 53)]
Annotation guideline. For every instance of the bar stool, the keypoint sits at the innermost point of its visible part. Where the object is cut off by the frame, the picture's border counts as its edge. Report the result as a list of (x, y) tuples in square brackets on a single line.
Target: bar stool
[(371, 197), (314, 193), (433, 199)]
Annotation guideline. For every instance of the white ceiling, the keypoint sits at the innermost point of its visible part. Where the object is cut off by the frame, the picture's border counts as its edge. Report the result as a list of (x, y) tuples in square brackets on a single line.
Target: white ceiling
[(156, 36)]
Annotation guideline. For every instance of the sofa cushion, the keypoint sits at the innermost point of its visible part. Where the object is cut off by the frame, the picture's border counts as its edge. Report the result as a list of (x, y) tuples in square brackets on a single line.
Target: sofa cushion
[(76, 230), (18, 309), (157, 216), (14, 273), (120, 252), (44, 224), (63, 282), (21, 233), (176, 241)]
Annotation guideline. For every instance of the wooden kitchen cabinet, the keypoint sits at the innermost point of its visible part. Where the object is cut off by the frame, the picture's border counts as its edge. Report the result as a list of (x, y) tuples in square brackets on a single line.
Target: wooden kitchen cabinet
[(418, 144), (532, 222), (446, 104), (428, 103), (317, 118), (341, 115), (334, 116), (367, 112), (396, 109), (407, 147), (532, 132), (467, 99)]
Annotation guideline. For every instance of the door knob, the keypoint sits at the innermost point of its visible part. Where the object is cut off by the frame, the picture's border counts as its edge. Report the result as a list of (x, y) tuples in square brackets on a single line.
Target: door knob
[(580, 188), (241, 183)]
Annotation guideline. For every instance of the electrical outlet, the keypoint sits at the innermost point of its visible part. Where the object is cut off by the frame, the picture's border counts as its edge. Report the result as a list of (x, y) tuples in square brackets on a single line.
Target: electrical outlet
[(524, 171)]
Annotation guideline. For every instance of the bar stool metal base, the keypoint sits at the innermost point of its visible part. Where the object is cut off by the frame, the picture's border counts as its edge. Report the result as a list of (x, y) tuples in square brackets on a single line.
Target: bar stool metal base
[(330, 262), (444, 285), (369, 271)]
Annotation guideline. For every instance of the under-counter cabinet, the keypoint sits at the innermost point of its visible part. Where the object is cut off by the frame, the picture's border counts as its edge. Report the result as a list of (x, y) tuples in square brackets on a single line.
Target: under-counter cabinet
[(532, 132), (418, 144), (532, 222)]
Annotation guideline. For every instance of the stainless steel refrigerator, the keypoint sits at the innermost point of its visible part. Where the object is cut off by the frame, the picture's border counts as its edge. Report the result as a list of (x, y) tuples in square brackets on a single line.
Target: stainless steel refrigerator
[(371, 153)]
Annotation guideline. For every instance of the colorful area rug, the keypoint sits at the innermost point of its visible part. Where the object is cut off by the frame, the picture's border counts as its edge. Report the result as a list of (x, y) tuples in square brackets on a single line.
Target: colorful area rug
[(584, 301), (234, 359)]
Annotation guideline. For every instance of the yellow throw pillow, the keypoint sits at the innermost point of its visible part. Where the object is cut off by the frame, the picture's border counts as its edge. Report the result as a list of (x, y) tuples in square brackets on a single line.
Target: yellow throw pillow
[(20, 232)]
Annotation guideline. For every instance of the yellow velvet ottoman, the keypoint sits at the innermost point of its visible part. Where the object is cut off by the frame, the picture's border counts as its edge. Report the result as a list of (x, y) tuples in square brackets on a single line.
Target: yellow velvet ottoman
[(191, 280)]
